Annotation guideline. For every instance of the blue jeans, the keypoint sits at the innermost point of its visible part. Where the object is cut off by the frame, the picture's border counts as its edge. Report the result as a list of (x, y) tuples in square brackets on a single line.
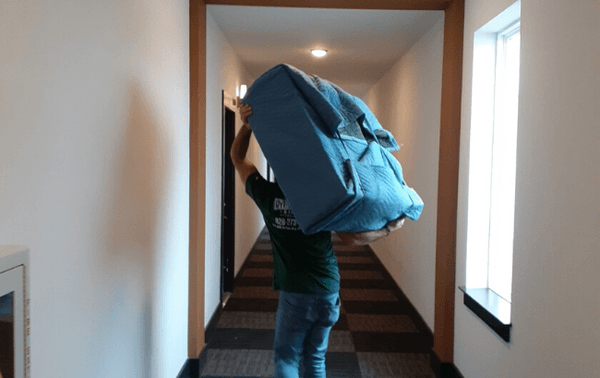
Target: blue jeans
[(302, 330)]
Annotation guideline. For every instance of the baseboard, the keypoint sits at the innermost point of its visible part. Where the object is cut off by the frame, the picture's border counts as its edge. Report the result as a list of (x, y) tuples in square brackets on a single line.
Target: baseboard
[(190, 369), (443, 369), (193, 366), (448, 370)]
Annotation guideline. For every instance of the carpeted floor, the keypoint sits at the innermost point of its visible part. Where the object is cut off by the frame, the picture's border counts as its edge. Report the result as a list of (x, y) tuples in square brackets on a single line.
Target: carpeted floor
[(378, 335)]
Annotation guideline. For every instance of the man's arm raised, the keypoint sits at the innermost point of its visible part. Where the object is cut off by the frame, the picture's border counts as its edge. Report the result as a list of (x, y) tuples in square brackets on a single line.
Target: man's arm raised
[(240, 145)]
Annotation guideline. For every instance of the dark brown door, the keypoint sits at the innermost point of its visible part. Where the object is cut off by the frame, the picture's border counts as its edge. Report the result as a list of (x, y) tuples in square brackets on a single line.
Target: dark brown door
[(227, 203)]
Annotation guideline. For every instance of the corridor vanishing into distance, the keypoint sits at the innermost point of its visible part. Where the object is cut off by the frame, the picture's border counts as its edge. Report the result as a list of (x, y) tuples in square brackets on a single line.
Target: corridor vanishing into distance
[(378, 335)]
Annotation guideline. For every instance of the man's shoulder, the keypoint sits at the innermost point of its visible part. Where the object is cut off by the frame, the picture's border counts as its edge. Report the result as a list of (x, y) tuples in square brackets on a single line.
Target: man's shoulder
[(260, 189), (256, 179)]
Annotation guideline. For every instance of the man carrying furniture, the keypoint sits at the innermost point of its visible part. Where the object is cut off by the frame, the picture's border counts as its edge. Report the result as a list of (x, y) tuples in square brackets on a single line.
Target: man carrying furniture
[(305, 269)]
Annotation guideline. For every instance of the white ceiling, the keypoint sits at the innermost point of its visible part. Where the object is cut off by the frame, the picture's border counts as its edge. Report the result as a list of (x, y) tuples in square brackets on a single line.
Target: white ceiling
[(362, 44)]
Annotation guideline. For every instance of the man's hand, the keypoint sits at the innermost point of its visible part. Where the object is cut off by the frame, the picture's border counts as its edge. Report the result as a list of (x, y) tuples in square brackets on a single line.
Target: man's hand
[(396, 224), (367, 237), (245, 112)]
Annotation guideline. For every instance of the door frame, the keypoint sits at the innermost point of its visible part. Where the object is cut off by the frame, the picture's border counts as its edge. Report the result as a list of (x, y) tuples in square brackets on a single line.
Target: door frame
[(449, 148)]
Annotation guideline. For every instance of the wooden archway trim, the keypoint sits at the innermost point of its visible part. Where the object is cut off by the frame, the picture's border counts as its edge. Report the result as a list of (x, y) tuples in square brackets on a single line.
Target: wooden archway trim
[(343, 4), (448, 156), (445, 256), (197, 176)]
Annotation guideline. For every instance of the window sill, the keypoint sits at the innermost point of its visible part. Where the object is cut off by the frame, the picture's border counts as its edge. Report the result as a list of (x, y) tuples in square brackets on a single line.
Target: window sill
[(491, 308)]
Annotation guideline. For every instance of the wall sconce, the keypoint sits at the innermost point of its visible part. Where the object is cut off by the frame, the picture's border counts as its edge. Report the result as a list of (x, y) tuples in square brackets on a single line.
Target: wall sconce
[(240, 92)]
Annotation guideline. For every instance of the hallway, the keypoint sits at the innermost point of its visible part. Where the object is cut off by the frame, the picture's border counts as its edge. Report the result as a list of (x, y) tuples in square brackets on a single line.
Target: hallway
[(378, 334)]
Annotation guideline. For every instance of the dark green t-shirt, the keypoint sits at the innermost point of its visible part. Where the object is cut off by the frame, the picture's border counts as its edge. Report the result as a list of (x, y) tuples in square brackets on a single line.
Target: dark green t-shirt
[(301, 263)]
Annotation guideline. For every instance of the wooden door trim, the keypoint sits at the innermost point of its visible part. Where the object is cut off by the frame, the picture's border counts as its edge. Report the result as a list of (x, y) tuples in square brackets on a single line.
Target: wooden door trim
[(445, 260), (448, 158), (197, 176)]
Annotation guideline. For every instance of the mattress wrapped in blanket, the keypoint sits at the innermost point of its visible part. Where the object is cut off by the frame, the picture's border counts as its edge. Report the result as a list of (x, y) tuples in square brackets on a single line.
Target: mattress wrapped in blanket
[(330, 155)]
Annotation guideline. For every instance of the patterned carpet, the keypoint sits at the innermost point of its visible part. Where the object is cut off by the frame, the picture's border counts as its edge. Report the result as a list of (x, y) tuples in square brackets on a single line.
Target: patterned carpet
[(378, 335)]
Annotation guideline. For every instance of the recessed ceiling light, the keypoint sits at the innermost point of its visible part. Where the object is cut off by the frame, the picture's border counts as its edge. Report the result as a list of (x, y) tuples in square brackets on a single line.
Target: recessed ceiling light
[(319, 53)]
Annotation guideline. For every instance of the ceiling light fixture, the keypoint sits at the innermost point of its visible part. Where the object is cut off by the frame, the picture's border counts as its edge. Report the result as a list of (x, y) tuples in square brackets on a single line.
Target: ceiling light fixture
[(319, 53)]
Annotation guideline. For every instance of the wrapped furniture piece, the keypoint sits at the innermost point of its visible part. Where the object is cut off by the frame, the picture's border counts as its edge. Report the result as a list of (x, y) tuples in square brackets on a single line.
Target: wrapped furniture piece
[(330, 155)]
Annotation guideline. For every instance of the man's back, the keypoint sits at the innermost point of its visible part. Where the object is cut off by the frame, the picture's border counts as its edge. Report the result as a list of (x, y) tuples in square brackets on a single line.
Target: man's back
[(302, 263)]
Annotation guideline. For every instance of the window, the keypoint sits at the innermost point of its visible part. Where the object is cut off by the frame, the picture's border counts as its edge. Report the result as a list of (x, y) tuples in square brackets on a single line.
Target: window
[(492, 162), (504, 162)]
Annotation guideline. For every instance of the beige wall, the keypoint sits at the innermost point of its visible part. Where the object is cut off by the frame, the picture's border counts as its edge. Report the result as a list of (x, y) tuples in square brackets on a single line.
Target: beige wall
[(406, 101), (556, 286), (94, 179), (224, 72)]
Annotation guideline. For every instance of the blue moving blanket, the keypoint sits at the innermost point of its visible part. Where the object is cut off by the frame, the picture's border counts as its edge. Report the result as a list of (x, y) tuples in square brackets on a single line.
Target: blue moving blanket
[(330, 155)]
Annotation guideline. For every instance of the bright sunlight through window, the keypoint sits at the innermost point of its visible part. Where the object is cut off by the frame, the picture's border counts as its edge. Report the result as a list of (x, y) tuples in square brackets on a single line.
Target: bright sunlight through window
[(493, 154)]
